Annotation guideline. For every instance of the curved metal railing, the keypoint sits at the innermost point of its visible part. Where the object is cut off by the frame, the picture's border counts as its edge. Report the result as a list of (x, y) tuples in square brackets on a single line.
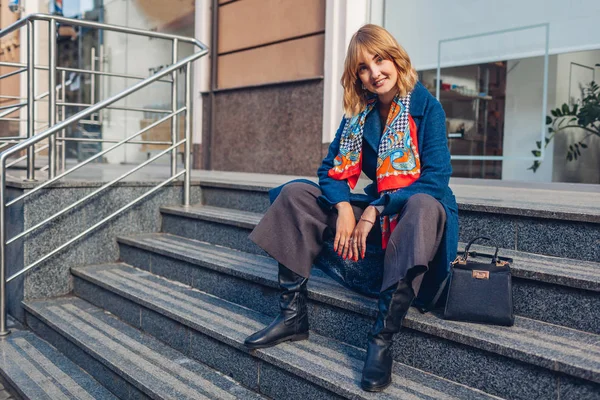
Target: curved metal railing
[(50, 135)]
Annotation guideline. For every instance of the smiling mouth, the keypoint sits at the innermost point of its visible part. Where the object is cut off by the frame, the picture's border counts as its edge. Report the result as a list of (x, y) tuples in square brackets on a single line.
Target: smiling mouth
[(379, 82)]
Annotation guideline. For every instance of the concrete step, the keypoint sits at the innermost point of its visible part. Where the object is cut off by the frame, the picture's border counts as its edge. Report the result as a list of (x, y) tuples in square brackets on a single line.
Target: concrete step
[(557, 290), (7, 392), (547, 220), (522, 357), (38, 371), (222, 226), (130, 363), (212, 330), (577, 202)]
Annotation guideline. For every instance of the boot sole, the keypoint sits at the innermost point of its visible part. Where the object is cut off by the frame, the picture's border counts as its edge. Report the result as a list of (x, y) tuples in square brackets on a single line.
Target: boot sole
[(379, 388), (295, 338)]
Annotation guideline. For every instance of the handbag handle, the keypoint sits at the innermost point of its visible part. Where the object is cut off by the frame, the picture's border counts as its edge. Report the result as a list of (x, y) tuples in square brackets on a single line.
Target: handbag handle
[(466, 256)]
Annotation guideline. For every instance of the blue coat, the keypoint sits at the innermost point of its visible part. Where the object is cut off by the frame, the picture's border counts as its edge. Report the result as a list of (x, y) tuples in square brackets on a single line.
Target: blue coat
[(436, 169)]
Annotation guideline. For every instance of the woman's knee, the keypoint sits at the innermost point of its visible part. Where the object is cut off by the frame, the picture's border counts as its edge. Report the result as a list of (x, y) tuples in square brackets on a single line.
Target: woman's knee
[(295, 190), (422, 203)]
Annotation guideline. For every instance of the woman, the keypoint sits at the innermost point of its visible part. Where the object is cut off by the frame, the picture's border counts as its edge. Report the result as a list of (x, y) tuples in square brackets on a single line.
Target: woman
[(393, 131)]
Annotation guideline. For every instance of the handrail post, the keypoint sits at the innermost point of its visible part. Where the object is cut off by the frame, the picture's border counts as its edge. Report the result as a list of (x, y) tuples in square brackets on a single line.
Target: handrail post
[(188, 134), (56, 128), (3, 296), (174, 108), (30, 98), (63, 132), (100, 82), (92, 77), (52, 149)]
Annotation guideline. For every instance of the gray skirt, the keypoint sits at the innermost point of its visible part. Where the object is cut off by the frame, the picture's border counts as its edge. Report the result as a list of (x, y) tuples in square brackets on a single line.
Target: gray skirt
[(298, 233)]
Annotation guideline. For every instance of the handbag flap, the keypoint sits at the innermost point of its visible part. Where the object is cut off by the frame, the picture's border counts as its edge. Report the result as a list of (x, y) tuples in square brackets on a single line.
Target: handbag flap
[(492, 268)]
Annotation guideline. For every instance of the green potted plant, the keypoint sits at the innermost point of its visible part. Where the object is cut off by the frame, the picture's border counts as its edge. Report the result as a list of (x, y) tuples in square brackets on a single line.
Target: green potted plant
[(585, 115)]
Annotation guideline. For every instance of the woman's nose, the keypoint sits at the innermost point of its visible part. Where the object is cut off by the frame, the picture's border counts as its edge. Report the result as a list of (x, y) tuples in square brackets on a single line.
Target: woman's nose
[(375, 73)]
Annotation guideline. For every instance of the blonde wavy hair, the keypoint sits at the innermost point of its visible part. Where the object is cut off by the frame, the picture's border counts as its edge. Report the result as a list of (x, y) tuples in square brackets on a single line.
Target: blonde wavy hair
[(376, 40)]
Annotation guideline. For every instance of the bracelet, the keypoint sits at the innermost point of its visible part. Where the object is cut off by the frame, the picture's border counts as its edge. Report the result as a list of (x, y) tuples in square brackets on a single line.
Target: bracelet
[(366, 220)]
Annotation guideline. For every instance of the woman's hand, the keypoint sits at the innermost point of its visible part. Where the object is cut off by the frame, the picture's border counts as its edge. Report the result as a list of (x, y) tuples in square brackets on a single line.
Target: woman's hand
[(361, 231), (343, 230)]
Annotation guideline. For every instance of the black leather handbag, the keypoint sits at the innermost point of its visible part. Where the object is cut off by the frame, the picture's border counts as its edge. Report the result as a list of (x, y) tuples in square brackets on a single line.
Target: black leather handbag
[(478, 291)]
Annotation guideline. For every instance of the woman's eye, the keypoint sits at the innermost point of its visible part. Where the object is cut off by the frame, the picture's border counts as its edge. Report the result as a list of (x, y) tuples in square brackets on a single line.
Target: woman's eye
[(361, 68), (379, 59)]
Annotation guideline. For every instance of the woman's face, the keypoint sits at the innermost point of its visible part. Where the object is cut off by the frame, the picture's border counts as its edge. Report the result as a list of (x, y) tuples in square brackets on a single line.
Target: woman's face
[(377, 74)]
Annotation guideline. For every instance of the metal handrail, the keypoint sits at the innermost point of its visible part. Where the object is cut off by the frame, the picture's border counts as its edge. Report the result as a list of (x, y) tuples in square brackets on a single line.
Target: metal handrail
[(98, 106), (17, 72), (11, 64), (96, 225), (23, 158), (89, 160), (18, 106), (103, 73), (94, 140), (98, 25), (83, 200), (80, 71), (50, 135), (30, 19), (139, 109)]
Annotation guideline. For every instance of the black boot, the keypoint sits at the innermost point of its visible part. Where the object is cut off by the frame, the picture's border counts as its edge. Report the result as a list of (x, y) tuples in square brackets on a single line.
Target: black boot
[(394, 303), (292, 321)]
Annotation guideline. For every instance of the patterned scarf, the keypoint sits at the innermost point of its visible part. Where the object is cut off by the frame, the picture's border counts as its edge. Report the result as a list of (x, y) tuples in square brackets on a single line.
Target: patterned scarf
[(398, 163)]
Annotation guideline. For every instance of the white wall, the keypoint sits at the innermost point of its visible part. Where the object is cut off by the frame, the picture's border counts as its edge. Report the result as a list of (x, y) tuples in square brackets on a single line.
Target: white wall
[(419, 25), (201, 81), (523, 118), (342, 19)]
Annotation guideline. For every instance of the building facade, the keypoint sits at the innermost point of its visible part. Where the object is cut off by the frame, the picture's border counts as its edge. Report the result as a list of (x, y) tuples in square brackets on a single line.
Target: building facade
[(268, 98)]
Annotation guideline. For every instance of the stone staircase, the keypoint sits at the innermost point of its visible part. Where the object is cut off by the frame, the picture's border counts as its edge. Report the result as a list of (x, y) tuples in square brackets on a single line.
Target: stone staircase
[(168, 319)]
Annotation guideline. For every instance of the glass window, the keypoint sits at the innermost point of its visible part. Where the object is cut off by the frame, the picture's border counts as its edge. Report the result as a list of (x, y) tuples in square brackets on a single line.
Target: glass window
[(493, 110)]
